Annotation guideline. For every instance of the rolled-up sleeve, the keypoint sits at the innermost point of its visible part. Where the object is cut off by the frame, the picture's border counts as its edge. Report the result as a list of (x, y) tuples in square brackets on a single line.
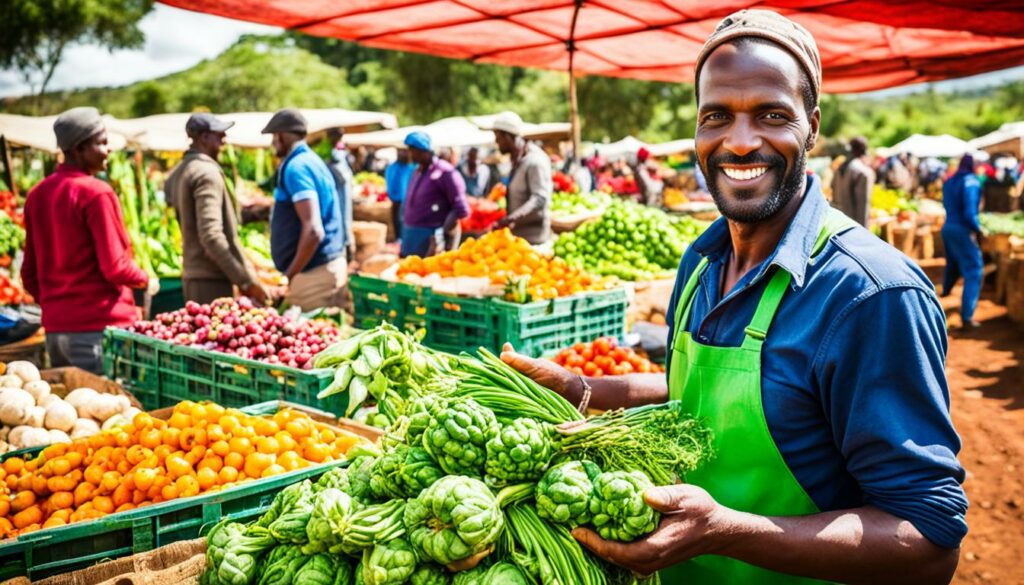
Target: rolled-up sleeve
[(882, 373)]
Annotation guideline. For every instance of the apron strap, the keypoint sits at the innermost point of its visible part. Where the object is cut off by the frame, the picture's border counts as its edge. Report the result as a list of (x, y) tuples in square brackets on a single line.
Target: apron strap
[(683, 304)]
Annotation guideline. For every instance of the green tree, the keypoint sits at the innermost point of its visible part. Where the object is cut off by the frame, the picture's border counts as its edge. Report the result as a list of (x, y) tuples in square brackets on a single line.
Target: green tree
[(148, 98), (35, 33)]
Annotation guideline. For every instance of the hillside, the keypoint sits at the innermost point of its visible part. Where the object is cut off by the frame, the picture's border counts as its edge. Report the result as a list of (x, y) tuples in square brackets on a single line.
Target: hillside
[(266, 73)]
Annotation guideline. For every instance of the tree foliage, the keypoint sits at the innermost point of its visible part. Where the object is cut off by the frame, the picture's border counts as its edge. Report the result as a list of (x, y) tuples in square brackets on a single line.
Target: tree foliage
[(35, 33)]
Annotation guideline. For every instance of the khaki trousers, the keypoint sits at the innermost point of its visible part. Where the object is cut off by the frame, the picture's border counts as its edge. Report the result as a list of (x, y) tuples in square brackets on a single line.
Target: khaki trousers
[(323, 286)]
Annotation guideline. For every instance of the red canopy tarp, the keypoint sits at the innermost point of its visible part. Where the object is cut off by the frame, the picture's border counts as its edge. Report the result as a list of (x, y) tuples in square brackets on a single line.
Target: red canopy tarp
[(865, 44)]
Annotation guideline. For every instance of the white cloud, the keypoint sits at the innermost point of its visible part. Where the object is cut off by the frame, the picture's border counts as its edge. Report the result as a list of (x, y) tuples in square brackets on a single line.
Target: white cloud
[(175, 40)]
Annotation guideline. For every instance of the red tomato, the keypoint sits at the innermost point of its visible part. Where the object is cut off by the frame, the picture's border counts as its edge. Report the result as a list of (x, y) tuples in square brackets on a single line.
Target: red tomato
[(591, 369), (602, 346), (588, 353)]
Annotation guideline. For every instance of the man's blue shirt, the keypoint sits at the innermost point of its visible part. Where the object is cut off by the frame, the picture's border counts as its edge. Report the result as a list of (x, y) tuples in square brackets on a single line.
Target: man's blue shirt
[(305, 176), (853, 378)]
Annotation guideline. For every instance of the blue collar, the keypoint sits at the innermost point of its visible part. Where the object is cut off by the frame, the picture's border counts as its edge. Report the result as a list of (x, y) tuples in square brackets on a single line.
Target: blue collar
[(299, 148), (794, 250)]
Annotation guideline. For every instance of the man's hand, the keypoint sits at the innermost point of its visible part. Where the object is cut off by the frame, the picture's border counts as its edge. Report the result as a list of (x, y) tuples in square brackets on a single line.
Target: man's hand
[(547, 374), (691, 521), (256, 292), (502, 223)]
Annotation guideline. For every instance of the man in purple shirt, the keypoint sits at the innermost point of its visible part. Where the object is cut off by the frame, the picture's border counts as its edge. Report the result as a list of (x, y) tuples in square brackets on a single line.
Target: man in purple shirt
[(435, 202)]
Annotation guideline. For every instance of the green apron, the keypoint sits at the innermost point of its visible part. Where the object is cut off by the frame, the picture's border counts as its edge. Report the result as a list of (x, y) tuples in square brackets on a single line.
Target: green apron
[(723, 386)]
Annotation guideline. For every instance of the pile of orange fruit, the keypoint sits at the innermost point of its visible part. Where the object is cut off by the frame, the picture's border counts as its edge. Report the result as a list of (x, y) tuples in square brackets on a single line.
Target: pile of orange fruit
[(501, 257), (201, 448)]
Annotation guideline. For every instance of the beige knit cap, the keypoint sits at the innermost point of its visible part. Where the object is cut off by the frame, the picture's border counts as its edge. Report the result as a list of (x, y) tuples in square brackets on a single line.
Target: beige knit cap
[(774, 27)]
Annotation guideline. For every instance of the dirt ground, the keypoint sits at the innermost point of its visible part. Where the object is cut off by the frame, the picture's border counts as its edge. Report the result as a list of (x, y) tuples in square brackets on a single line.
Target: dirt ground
[(986, 376)]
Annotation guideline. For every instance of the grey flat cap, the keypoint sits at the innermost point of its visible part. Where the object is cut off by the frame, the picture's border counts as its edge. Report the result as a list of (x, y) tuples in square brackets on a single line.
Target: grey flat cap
[(75, 126), (205, 122), (286, 120)]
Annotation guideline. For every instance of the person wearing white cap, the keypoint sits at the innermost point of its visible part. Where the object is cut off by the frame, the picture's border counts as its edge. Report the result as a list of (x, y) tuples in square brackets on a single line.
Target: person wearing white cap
[(529, 185)]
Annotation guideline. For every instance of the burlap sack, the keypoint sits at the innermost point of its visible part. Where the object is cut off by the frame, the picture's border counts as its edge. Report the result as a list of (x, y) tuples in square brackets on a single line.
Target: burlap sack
[(179, 563)]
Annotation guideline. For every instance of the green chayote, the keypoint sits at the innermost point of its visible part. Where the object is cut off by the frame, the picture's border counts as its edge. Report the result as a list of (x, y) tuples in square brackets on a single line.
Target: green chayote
[(389, 563), (563, 492), (504, 573), (384, 475), (281, 565), (321, 569), (473, 576), (457, 436), (418, 472), (336, 478), (520, 451), (330, 509), (370, 525), (233, 552), (284, 500), (453, 519), (290, 524), (359, 472), (430, 574), (617, 507)]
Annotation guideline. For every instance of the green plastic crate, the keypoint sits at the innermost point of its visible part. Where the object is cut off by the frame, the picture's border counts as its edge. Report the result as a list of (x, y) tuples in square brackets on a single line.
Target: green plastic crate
[(171, 297), (376, 300), (160, 373), (458, 324), (53, 551)]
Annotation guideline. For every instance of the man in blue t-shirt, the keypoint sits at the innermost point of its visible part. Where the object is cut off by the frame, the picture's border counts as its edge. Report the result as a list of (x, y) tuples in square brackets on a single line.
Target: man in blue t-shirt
[(397, 177), (307, 226)]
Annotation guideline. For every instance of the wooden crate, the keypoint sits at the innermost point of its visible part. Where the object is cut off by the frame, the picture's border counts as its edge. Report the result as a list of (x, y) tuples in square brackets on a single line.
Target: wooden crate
[(917, 242), (1013, 283)]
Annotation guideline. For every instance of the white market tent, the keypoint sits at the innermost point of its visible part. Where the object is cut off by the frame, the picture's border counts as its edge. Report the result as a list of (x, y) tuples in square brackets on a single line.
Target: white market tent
[(166, 132), (942, 146), (541, 131), (445, 133), (629, 146), (37, 133), (1008, 138), (459, 132)]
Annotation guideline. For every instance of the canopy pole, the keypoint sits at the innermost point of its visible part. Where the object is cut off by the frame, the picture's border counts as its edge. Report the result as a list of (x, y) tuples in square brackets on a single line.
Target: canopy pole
[(574, 114), (8, 169)]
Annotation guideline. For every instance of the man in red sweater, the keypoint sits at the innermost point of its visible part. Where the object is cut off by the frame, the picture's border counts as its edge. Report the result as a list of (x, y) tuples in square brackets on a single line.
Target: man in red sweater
[(78, 259)]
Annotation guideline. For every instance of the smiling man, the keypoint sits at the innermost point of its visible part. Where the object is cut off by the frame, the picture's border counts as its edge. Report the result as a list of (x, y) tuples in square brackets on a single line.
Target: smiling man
[(812, 349)]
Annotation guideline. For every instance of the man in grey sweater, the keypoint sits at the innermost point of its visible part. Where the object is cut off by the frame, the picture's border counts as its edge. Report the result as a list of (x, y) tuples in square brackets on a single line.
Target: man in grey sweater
[(529, 186), (213, 260), (852, 183)]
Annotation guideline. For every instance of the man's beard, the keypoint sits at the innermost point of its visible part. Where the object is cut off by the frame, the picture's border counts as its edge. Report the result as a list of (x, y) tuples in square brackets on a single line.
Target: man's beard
[(782, 192)]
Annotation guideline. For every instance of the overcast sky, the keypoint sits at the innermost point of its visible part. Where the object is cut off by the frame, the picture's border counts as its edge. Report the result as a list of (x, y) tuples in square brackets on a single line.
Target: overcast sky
[(178, 39), (175, 40)]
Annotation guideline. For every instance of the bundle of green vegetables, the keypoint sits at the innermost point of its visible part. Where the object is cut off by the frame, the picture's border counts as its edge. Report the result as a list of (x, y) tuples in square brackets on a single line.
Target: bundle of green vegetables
[(12, 235), (1003, 223), (482, 474), (151, 224), (630, 241)]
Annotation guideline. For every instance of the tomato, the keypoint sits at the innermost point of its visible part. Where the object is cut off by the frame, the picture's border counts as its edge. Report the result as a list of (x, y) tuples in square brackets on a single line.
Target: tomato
[(591, 369), (602, 346), (588, 353)]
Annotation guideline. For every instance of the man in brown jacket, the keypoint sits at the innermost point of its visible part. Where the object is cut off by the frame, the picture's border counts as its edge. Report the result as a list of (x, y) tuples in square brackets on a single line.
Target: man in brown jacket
[(213, 258)]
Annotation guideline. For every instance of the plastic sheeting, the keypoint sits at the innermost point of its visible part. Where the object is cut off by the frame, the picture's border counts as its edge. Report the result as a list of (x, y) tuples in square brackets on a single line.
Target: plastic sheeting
[(38, 132), (865, 44), (166, 132), (457, 132), (629, 146), (942, 146)]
